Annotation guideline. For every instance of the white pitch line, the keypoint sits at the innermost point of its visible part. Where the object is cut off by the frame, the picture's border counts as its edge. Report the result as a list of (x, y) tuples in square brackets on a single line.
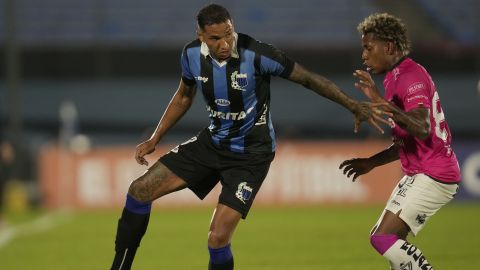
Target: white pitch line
[(39, 225)]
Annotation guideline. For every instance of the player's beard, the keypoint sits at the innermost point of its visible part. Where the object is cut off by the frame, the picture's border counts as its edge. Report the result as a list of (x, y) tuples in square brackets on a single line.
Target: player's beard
[(223, 55)]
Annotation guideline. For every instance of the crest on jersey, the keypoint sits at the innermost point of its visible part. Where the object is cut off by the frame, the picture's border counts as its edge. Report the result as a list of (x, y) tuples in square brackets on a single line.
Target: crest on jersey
[(244, 192), (239, 80)]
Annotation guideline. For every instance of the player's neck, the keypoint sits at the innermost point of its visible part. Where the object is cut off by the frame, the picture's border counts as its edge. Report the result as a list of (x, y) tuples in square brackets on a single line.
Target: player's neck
[(396, 60)]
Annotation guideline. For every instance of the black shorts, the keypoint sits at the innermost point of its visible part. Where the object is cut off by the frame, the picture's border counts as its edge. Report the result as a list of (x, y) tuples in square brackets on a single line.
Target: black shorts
[(202, 165)]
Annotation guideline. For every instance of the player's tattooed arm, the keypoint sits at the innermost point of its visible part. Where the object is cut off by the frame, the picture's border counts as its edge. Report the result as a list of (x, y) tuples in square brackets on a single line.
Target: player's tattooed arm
[(321, 86), (363, 111), (416, 122)]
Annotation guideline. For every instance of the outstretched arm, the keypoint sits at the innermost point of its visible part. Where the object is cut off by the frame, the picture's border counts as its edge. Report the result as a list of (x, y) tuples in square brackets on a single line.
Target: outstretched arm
[(416, 121), (363, 111), (359, 166), (179, 104)]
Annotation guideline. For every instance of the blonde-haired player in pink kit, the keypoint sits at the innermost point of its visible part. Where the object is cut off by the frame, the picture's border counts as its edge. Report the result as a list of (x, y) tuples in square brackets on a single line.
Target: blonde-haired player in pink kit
[(421, 140)]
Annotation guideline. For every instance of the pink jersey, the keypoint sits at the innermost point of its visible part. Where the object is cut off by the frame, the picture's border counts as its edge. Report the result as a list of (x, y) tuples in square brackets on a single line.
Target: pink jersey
[(409, 86)]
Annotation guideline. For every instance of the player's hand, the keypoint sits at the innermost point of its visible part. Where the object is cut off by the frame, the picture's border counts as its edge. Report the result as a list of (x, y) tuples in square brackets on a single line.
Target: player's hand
[(372, 113), (356, 167), (367, 85), (144, 149)]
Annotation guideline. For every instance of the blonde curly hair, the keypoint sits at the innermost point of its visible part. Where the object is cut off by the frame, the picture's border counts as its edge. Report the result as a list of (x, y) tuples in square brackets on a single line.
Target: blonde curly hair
[(386, 27)]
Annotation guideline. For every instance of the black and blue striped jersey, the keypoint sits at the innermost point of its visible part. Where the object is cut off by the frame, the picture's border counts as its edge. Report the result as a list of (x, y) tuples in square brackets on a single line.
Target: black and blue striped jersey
[(237, 93)]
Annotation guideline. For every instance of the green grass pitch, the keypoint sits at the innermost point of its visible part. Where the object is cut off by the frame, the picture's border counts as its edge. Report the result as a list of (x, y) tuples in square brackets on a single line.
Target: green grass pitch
[(316, 237)]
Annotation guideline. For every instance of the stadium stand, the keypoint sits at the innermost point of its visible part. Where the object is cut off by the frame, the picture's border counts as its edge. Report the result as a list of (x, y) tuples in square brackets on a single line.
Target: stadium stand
[(162, 23), (459, 19)]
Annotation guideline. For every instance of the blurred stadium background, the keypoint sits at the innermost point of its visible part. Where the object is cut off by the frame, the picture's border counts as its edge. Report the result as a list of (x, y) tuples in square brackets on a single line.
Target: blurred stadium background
[(83, 81)]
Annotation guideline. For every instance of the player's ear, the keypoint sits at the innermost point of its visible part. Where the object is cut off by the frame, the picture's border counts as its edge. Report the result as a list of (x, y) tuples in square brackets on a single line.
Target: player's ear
[(390, 48), (200, 34)]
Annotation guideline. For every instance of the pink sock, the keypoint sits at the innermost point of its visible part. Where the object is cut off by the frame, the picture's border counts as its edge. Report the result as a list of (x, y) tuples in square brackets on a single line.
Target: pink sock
[(382, 242)]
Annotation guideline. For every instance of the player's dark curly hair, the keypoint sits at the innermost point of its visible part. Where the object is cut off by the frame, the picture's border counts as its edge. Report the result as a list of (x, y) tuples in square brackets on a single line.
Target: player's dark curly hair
[(212, 14), (386, 27)]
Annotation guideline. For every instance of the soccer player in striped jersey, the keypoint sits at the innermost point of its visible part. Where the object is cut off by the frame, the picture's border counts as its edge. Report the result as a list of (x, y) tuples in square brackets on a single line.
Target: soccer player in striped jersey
[(232, 71), (421, 140)]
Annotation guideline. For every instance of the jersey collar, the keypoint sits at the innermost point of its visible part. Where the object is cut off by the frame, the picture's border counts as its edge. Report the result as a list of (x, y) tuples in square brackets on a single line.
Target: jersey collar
[(398, 62), (234, 52)]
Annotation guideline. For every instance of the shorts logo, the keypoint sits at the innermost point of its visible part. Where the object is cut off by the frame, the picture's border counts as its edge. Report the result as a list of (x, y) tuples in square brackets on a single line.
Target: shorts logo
[(175, 149), (244, 192), (402, 192), (416, 260), (421, 218), (239, 81), (406, 266), (396, 203)]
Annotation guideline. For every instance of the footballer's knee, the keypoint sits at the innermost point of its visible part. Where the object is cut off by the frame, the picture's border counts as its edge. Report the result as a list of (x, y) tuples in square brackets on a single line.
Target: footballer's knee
[(143, 188), (156, 182), (218, 239), (139, 191)]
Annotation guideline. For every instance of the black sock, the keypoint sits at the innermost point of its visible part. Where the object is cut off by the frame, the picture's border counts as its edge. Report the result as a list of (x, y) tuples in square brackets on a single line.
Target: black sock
[(123, 259), (221, 258), (224, 266), (130, 230)]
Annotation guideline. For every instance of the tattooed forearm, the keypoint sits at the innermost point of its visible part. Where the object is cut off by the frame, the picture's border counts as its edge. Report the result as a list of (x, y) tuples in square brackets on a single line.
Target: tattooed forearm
[(416, 122), (328, 89), (321, 86)]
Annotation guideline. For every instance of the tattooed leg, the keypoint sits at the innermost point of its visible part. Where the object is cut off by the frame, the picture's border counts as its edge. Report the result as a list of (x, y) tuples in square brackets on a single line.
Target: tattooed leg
[(157, 181)]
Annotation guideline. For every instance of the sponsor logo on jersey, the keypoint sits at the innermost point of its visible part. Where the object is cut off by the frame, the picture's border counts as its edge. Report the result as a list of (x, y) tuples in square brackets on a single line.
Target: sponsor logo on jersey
[(417, 97), (415, 87), (395, 73), (202, 79), (222, 102), (239, 80), (244, 192), (228, 115)]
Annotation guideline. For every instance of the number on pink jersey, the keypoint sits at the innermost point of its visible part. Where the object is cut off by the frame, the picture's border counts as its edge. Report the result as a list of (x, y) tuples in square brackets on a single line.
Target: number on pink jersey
[(439, 117)]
